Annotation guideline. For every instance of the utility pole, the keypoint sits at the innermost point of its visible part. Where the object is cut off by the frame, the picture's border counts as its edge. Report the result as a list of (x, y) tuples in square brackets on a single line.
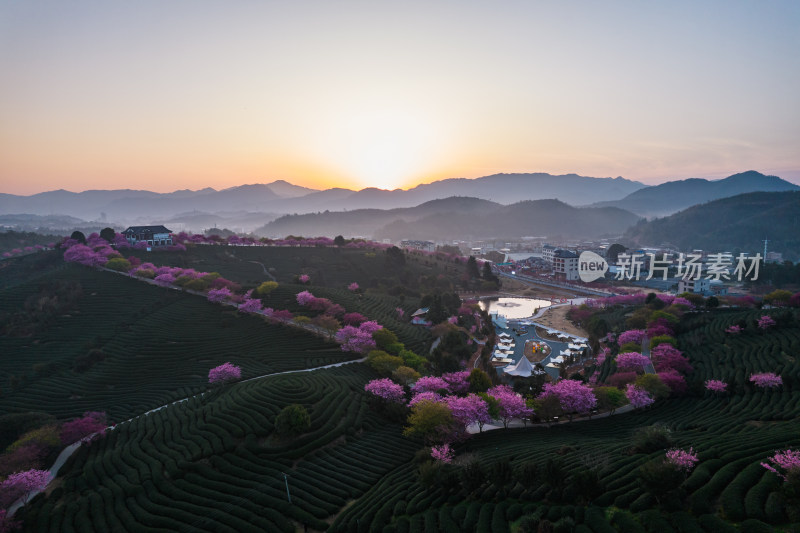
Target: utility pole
[(765, 250), (286, 479)]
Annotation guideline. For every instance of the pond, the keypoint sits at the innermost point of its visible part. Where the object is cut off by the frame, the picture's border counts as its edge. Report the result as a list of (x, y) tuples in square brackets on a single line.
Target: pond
[(514, 307)]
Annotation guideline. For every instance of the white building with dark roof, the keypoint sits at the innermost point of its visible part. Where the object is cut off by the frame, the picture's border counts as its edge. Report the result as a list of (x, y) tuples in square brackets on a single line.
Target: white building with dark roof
[(153, 235)]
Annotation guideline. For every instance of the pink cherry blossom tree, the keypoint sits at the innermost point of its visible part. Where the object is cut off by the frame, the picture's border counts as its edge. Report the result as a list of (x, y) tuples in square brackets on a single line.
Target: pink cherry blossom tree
[(632, 335), (681, 459), (458, 382), (442, 453), (510, 405), (766, 380), (353, 287), (425, 397), (24, 484), (766, 322), (573, 396), (219, 295), (667, 357), (355, 339), (224, 373), (250, 305), (638, 397), (304, 278), (305, 298), (353, 319), (673, 380), (733, 330), (468, 410), (715, 385), (90, 423), (387, 390), (632, 361), (788, 461), (430, 384)]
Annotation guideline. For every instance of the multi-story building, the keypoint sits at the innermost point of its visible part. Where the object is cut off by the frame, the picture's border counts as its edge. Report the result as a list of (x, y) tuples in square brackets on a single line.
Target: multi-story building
[(565, 263)]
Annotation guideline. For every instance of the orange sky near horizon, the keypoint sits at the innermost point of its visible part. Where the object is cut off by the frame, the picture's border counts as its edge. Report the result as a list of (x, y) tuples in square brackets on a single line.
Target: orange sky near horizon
[(185, 94)]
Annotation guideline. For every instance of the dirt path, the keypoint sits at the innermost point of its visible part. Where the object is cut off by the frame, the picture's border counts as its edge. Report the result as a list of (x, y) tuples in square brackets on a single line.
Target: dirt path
[(556, 318)]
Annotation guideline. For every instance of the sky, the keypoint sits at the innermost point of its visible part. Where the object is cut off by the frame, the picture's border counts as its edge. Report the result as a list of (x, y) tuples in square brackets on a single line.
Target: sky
[(166, 94)]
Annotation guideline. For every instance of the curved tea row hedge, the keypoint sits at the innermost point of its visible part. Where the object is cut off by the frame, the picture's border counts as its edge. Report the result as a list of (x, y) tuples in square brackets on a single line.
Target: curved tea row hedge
[(158, 343), (214, 463), (733, 434)]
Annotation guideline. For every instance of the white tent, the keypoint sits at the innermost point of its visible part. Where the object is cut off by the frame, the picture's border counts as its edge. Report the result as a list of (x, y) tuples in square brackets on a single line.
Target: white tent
[(522, 368)]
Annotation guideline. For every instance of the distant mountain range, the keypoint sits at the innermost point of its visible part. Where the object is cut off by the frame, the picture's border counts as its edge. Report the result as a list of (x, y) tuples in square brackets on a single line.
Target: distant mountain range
[(460, 218), (738, 223), (130, 206), (672, 196), (247, 207)]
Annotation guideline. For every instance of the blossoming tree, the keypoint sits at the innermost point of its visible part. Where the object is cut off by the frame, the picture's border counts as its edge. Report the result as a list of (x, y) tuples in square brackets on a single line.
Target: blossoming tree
[(224, 373), (387, 390), (766, 380), (573, 396)]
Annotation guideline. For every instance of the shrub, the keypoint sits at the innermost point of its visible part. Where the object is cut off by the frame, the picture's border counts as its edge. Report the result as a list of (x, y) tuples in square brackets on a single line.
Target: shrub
[(292, 420), (652, 438)]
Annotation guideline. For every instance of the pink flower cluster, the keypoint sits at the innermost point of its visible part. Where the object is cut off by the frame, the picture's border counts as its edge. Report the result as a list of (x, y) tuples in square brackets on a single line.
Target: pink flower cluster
[(468, 410), (766, 322), (442, 453), (425, 397), (666, 357), (457, 382), (430, 384), (304, 278), (681, 459), (573, 395), (224, 373), (716, 385), (632, 335), (23, 484), (306, 299), (510, 404), (638, 397), (733, 330), (353, 287), (358, 339), (632, 361), (788, 460), (766, 380), (219, 295), (387, 390), (90, 423)]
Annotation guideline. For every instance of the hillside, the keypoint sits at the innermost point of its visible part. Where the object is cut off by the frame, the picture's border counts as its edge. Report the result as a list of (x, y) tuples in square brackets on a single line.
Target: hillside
[(739, 223), (673, 196), (460, 218)]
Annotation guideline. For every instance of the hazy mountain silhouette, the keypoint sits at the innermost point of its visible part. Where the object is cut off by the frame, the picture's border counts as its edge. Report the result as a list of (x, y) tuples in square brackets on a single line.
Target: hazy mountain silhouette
[(738, 223), (459, 218), (283, 197), (673, 196)]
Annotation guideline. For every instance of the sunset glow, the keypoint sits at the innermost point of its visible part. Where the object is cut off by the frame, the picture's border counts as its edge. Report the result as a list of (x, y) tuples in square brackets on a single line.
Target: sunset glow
[(174, 95)]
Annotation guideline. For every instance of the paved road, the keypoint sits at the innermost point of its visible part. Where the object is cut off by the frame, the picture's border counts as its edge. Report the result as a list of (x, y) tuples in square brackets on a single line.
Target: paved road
[(498, 424)]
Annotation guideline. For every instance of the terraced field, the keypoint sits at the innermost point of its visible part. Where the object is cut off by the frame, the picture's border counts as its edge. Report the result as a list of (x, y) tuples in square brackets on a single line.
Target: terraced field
[(214, 464), (158, 344), (328, 267), (733, 434)]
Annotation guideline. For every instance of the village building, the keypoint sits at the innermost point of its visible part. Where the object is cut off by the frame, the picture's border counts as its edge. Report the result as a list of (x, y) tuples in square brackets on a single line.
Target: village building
[(153, 235)]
